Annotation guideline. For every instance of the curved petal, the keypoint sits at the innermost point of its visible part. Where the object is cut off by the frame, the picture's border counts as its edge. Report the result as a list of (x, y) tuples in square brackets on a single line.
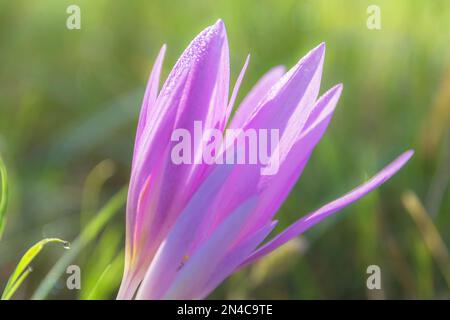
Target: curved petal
[(199, 103), (193, 276), (198, 78), (190, 83), (139, 178), (237, 85), (296, 91), (235, 257), (170, 254), (256, 95), (315, 217), (277, 187), (151, 93), (293, 94)]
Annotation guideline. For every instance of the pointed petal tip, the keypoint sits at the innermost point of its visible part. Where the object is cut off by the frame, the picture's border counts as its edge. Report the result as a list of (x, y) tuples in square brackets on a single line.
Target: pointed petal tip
[(247, 60), (337, 89), (280, 68), (320, 49), (322, 45), (219, 26), (398, 163), (314, 57), (162, 51), (332, 93), (405, 156), (319, 53), (215, 31), (315, 217)]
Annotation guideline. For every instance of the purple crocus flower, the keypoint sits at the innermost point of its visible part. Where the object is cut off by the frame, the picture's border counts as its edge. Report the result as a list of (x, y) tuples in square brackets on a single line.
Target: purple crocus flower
[(189, 226)]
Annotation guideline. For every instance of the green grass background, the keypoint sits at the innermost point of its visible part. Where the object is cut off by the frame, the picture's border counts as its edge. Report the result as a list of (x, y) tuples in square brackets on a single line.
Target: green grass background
[(69, 99)]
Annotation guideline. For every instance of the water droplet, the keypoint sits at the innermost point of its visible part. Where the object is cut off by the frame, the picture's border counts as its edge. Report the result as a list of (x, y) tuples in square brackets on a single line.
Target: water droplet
[(66, 245), (30, 269)]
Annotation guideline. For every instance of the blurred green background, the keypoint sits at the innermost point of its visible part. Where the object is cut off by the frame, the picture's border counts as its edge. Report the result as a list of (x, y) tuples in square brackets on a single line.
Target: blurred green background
[(69, 102)]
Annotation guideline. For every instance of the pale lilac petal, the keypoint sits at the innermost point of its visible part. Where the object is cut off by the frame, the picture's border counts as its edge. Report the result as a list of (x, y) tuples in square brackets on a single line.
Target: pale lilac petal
[(189, 226), (276, 188), (151, 93), (140, 174), (294, 93), (296, 132), (184, 84), (185, 97), (182, 180), (235, 257), (236, 88), (172, 250), (255, 96), (315, 217), (220, 97), (193, 276)]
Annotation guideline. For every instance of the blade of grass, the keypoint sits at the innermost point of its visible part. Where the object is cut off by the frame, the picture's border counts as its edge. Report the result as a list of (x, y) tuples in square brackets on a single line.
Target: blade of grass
[(430, 234), (110, 282), (87, 235), (106, 248), (94, 289), (93, 186), (22, 271), (17, 284), (3, 196), (90, 198)]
